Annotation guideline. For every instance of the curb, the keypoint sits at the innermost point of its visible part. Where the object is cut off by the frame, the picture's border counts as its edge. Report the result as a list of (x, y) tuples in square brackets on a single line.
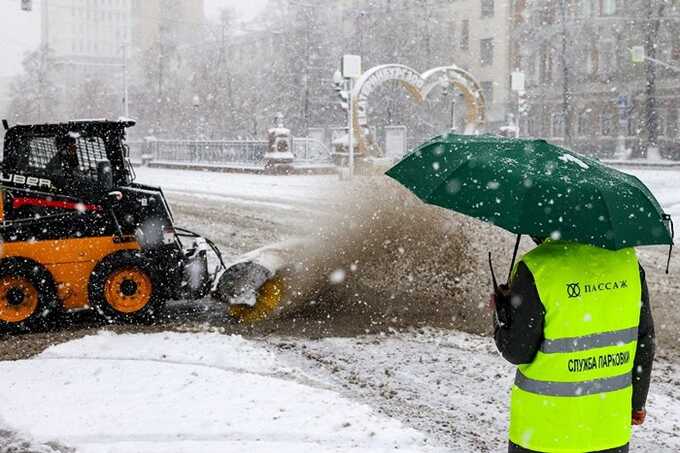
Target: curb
[(294, 170), (664, 165)]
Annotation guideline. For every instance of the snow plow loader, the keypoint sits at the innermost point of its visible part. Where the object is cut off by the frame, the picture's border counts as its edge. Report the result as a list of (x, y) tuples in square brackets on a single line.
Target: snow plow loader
[(77, 232)]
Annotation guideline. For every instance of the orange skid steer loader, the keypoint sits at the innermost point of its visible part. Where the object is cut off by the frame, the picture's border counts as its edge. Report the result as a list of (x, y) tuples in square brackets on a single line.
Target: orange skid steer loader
[(77, 231)]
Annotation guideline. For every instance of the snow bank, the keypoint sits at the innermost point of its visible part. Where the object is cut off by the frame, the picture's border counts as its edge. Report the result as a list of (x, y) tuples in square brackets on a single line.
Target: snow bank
[(175, 392)]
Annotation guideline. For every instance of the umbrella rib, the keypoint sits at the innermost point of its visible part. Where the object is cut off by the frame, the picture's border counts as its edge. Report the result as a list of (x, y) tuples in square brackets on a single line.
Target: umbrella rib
[(609, 216), (445, 180)]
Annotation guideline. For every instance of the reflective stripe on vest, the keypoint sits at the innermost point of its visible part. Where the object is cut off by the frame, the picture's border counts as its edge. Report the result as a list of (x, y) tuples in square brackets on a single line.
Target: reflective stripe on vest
[(576, 394), (598, 340), (552, 388)]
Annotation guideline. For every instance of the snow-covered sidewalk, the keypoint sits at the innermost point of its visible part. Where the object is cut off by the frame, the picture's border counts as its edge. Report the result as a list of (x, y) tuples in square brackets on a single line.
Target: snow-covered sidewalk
[(175, 392)]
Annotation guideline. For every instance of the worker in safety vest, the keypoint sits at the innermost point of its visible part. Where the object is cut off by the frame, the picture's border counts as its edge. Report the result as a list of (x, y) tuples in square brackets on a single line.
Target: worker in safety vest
[(577, 323)]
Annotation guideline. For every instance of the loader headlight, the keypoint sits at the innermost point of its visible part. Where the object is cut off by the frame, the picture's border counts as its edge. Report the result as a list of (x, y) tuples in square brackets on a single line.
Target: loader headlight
[(169, 235)]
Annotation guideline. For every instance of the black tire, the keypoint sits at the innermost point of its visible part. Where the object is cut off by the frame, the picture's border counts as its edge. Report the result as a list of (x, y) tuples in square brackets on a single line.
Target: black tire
[(25, 287), (124, 288)]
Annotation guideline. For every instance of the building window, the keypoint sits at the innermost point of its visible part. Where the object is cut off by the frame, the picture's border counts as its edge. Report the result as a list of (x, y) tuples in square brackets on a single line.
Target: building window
[(487, 89), (557, 125), (545, 65), (587, 8), (673, 126), (530, 68), (465, 35), (608, 7), (591, 60), (662, 124), (531, 127), (633, 128), (607, 57), (584, 123), (675, 46), (608, 126), (487, 8), (452, 31), (486, 52)]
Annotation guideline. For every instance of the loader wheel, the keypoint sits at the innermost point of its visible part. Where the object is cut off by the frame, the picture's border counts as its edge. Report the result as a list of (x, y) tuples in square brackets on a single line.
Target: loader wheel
[(122, 288), (27, 294), (268, 299)]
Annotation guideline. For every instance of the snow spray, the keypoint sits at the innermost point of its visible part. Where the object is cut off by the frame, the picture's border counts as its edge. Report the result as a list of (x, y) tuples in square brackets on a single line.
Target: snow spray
[(380, 260)]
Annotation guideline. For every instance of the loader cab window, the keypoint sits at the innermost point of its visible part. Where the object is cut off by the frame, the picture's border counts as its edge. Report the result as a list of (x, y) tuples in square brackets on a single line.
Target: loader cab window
[(74, 156)]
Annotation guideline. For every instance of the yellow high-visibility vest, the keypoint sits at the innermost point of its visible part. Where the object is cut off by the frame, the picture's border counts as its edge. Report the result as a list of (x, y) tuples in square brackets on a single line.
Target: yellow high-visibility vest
[(576, 395)]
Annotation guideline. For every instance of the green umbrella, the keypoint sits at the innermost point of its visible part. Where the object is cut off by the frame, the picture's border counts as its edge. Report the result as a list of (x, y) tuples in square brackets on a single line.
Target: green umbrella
[(529, 186)]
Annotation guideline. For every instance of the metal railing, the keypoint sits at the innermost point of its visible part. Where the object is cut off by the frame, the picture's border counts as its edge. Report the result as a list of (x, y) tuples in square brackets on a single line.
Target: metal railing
[(224, 152)]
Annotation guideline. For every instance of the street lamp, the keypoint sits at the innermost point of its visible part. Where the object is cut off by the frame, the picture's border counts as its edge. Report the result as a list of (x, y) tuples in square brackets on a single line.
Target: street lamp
[(445, 93), (350, 68), (453, 113)]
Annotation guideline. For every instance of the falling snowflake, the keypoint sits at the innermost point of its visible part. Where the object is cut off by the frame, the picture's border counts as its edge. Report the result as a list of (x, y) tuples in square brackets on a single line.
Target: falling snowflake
[(337, 276)]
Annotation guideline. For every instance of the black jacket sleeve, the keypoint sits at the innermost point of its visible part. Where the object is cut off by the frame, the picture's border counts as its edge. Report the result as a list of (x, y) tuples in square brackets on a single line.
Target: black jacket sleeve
[(644, 355), (518, 326)]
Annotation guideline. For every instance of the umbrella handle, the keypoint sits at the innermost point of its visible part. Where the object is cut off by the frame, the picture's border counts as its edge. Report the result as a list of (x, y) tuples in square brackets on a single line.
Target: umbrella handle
[(514, 256), (669, 219), (493, 275)]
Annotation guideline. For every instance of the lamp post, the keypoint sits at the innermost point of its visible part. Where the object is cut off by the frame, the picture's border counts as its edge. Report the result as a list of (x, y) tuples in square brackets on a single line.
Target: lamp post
[(517, 84), (646, 54), (446, 91), (350, 69), (196, 101), (126, 60)]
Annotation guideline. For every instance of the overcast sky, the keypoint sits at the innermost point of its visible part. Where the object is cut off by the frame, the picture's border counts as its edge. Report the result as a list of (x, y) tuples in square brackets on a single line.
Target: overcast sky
[(20, 30)]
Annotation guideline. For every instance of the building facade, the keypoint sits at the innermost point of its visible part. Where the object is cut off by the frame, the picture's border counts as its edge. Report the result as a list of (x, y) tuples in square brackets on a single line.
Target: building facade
[(481, 33), (473, 34), (96, 42), (583, 87), (423, 34)]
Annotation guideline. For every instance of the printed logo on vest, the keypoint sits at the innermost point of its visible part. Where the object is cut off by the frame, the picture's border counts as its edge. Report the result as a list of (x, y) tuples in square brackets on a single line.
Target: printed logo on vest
[(573, 290), (606, 286)]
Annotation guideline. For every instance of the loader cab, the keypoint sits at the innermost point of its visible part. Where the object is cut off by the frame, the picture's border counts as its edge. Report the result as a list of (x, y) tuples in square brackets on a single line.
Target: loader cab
[(79, 158)]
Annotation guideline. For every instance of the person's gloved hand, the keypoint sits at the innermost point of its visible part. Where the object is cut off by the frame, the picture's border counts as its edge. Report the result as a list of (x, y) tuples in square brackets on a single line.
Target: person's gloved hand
[(499, 303), (500, 296), (639, 417)]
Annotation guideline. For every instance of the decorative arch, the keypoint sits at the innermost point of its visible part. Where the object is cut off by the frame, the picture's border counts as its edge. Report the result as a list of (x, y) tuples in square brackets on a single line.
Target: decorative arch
[(419, 86)]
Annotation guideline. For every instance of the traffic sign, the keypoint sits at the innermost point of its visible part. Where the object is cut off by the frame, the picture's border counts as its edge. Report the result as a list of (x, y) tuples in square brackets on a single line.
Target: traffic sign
[(517, 81), (351, 66), (638, 54)]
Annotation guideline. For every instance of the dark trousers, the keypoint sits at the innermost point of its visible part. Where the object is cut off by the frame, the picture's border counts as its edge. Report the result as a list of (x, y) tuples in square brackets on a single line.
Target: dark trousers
[(513, 448)]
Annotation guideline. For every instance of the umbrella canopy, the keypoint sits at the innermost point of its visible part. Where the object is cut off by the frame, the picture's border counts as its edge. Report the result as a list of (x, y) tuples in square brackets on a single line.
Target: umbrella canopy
[(532, 187)]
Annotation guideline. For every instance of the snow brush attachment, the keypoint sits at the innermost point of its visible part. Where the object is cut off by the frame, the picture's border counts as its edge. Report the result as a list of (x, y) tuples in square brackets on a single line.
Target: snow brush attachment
[(253, 287), (268, 299), (252, 291)]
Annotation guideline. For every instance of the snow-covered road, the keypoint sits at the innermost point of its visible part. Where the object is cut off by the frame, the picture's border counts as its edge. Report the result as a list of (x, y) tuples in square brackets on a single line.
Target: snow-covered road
[(421, 391), (313, 192)]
